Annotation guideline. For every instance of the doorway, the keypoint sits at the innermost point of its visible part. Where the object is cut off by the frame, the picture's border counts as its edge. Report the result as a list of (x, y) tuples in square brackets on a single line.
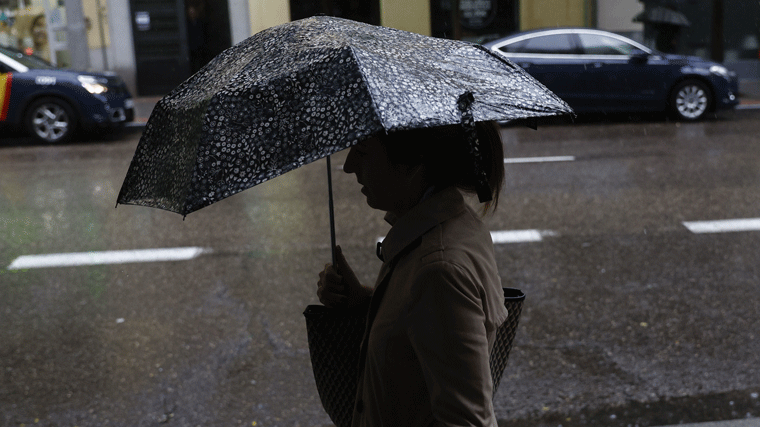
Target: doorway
[(174, 38), (367, 11)]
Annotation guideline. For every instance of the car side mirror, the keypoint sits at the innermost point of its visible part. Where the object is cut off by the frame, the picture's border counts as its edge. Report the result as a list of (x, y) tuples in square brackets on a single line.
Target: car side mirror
[(639, 57)]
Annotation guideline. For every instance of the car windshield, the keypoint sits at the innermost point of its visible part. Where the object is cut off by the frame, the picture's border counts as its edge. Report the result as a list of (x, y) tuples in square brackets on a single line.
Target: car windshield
[(29, 61)]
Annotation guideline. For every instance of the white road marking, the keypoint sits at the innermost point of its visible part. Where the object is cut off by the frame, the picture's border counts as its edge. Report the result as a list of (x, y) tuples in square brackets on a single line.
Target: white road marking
[(512, 236), (106, 257), (539, 159), (723, 226), (512, 160), (520, 236)]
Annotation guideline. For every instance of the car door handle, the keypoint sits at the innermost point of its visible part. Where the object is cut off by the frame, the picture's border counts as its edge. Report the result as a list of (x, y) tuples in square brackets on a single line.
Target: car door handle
[(524, 65), (598, 65)]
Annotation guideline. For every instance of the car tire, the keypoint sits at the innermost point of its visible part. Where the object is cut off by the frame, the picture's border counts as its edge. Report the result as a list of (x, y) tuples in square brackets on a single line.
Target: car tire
[(690, 100), (50, 120)]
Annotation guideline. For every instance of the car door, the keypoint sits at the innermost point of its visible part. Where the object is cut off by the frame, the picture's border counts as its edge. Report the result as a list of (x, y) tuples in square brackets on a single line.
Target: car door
[(552, 58), (630, 77)]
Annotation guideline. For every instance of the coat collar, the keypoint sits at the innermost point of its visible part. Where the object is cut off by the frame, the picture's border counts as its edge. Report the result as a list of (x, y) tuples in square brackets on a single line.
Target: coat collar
[(431, 211)]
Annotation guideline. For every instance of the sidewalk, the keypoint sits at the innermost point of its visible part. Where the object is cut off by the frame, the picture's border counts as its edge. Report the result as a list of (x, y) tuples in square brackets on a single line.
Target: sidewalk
[(144, 105), (746, 422)]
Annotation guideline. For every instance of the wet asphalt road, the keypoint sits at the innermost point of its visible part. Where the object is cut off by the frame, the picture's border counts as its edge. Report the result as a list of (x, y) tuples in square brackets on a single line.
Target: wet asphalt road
[(630, 318)]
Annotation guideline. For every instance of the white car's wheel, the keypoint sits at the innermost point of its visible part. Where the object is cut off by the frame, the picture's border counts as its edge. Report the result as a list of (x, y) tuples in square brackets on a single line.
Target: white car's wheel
[(690, 100), (50, 120)]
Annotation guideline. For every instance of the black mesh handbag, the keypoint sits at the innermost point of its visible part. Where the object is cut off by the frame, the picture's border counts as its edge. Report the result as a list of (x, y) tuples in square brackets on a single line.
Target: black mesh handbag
[(334, 339)]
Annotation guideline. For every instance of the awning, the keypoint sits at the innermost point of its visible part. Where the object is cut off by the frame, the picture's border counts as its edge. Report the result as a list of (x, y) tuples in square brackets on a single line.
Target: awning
[(662, 15)]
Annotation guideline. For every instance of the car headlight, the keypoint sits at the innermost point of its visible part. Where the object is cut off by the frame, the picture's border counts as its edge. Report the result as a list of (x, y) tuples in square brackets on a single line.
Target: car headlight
[(720, 70), (93, 84)]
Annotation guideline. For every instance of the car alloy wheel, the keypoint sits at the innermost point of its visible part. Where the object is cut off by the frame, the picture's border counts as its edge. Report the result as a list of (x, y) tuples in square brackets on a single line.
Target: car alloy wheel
[(50, 120), (691, 100)]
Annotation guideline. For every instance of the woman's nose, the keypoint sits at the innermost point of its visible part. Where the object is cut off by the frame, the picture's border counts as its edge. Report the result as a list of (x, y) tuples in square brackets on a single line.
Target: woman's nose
[(350, 165)]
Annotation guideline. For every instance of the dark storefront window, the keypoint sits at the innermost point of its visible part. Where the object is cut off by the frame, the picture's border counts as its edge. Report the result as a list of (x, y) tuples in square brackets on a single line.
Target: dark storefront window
[(738, 39), (473, 20), (358, 10)]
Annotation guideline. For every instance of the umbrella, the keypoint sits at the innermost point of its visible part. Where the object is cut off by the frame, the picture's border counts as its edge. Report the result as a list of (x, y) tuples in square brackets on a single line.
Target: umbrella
[(662, 15), (301, 91)]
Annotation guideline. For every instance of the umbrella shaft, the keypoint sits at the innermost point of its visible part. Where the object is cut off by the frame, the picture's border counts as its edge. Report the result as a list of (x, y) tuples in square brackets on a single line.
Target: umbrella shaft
[(332, 211)]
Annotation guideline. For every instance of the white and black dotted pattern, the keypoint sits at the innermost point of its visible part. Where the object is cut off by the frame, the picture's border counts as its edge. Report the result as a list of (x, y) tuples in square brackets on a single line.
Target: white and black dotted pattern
[(298, 92)]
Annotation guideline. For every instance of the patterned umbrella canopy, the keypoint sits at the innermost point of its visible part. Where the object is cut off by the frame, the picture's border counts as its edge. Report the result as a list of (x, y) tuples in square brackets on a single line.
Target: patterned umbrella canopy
[(301, 91)]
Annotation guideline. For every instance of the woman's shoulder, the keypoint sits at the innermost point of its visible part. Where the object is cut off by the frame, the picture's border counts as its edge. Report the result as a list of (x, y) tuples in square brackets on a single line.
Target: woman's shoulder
[(460, 236)]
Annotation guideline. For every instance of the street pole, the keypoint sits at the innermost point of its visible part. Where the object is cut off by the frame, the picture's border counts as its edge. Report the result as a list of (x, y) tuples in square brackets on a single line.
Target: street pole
[(76, 35)]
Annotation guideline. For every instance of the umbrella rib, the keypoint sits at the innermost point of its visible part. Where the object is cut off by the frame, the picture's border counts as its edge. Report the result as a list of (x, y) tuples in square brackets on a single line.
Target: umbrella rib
[(365, 81)]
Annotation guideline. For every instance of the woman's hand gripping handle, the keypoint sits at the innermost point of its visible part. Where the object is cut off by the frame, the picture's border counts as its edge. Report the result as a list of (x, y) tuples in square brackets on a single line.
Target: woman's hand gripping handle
[(339, 287)]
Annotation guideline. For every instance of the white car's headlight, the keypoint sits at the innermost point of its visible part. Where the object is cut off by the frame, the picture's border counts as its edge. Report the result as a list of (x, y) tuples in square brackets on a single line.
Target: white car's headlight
[(719, 70), (92, 84)]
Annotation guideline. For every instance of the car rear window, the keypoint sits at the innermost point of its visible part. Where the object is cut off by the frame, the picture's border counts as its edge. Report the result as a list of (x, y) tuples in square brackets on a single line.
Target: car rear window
[(597, 44), (557, 44)]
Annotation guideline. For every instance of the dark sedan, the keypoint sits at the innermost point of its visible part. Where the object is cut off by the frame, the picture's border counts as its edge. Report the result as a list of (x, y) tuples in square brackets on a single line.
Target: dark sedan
[(51, 103), (599, 71)]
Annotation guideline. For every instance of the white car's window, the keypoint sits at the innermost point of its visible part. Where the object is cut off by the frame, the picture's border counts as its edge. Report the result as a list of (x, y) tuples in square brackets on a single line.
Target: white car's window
[(596, 44), (29, 61), (551, 44)]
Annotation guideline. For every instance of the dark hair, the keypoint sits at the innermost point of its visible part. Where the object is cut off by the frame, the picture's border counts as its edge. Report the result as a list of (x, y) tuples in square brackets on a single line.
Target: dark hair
[(444, 152)]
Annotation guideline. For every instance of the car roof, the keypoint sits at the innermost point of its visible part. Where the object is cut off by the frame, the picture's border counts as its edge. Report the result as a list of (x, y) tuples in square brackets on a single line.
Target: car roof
[(561, 30)]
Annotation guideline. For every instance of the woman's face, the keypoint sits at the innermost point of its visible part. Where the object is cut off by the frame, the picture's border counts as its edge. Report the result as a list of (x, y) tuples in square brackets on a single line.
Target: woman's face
[(387, 186)]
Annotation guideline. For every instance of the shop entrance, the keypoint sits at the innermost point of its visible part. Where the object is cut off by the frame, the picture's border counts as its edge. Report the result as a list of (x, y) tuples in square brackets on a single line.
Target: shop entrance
[(358, 10), (477, 21), (174, 38)]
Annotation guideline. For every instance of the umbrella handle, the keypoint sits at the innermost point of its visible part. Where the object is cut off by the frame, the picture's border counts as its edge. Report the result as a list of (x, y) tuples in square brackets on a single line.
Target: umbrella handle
[(332, 211)]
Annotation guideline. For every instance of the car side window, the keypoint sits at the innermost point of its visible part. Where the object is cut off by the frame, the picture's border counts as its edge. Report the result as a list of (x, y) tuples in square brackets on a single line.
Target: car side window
[(557, 44), (595, 44)]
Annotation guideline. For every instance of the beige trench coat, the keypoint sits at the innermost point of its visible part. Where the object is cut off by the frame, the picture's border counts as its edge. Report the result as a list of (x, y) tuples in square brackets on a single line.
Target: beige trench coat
[(438, 301)]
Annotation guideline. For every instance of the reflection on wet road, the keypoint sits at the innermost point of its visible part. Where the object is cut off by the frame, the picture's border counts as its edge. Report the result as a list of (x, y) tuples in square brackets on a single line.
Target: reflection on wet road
[(635, 243)]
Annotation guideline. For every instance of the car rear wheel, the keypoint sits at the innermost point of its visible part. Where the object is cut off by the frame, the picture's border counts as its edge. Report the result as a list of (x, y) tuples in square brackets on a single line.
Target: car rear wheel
[(50, 120), (690, 100)]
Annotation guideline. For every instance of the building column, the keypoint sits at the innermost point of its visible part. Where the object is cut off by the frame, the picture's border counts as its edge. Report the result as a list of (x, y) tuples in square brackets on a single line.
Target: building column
[(122, 45), (76, 35)]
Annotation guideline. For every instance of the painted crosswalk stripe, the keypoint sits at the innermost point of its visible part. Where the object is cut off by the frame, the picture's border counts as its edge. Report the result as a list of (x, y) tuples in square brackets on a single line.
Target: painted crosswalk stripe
[(539, 159), (723, 226), (106, 257)]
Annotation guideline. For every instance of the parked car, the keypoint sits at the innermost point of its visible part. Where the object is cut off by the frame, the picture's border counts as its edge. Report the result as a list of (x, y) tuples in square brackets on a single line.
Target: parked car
[(51, 103), (599, 71)]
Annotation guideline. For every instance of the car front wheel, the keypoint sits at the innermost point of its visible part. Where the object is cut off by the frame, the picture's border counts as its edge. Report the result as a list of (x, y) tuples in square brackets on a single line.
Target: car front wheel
[(50, 120), (690, 100)]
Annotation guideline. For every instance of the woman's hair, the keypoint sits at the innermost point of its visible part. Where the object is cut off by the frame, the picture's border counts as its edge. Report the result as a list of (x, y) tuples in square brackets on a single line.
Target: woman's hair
[(445, 154)]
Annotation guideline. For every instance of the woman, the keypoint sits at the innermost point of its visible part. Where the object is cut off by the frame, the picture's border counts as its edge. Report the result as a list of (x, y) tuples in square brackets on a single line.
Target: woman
[(437, 302)]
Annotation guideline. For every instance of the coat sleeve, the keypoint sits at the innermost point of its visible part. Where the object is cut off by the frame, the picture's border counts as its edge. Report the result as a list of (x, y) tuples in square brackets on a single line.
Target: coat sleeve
[(446, 328)]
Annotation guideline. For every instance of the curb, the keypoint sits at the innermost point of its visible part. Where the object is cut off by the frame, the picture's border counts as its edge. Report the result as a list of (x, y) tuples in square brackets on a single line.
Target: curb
[(144, 106), (744, 422)]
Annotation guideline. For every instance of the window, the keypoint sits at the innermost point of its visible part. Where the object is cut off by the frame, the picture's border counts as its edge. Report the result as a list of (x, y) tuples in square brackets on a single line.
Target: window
[(595, 44), (559, 44)]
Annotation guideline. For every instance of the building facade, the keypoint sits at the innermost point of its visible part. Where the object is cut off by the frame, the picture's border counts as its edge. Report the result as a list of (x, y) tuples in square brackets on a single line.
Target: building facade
[(156, 44)]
